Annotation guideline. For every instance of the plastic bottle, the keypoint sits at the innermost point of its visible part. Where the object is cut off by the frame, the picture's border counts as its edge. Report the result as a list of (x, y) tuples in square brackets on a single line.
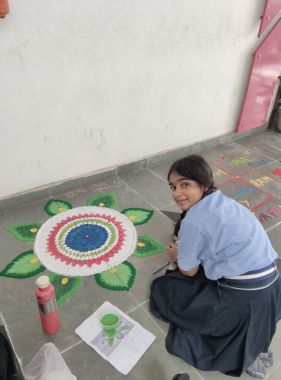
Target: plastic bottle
[(4, 8), (47, 304)]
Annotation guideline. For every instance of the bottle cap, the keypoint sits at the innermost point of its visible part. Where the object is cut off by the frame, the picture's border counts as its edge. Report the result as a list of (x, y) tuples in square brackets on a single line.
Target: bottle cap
[(42, 282)]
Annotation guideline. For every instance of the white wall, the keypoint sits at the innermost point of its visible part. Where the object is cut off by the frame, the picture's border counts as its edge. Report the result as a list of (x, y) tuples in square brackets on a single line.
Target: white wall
[(87, 85)]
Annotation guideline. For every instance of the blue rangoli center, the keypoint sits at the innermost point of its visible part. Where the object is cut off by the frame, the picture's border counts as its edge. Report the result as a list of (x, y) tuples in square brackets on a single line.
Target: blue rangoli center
[(86, 237)]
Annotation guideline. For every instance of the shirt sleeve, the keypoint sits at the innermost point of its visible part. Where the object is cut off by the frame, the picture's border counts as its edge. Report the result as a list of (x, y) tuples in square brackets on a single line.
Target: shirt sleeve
[(191, 246)]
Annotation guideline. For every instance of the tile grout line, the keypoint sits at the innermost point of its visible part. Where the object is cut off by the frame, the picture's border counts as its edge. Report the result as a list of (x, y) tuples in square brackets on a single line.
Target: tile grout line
[(72, 346), (272, 227), (257, 151), (273, 372), (150, 317), (197, 372), (136, 308), (156, 208), (160, 328), (157, 175), (171, 204)]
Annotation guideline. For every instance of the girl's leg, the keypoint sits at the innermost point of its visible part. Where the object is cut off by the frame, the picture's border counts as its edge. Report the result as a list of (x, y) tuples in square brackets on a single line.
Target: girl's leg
[(267, 358)]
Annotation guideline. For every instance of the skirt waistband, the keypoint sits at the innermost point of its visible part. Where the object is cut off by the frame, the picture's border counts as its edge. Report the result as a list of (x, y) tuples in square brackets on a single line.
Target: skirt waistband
[(254, 275), (251, 281)]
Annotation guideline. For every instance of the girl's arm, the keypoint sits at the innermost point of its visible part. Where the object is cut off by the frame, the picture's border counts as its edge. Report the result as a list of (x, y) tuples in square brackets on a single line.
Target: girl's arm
[(192, 272), (172, 251)]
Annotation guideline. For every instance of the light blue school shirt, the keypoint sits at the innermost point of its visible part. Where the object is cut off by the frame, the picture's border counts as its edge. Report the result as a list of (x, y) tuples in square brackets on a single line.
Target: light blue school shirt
[(224, 237)]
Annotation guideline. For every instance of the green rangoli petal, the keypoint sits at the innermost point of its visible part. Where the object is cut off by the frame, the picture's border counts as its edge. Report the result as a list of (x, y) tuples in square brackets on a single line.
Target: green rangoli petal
[(138, 215), (147, 246), (23, 266), (119, 278), (56, 206), (25, 231), (102, 200), (65, 287)]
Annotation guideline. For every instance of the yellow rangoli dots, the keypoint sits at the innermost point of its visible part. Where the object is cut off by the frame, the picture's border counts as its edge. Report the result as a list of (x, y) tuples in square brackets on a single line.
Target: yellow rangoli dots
[(61, 209), (101, 204), (64, 281), (113, 270), (140, 244), (132, 217), (34, 260), (33, 230)]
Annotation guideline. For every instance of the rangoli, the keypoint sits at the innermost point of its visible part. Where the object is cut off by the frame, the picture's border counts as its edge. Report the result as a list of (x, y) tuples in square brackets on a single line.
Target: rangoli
[(85, 240)]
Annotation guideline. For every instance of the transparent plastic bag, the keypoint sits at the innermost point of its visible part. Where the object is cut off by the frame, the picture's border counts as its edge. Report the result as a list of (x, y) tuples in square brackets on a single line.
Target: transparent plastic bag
[(48, 364)]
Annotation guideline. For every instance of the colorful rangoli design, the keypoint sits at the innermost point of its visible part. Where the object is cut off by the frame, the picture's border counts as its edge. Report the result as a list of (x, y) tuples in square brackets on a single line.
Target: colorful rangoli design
[(76, 242), (85, 240)]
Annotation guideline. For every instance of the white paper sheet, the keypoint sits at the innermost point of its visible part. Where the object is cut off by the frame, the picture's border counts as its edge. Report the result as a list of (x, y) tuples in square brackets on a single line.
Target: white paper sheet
[(130, 343)]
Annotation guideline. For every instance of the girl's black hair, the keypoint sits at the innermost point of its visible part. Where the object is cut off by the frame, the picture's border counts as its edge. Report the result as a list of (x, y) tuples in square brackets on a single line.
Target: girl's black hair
[(193, 167)]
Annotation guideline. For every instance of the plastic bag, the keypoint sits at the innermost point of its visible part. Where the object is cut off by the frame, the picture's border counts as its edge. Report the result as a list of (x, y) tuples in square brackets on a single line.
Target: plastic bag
[(48, 364)]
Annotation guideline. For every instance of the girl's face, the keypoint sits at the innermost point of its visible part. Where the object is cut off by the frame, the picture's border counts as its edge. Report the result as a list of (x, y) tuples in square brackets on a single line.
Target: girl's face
[(186, 192)]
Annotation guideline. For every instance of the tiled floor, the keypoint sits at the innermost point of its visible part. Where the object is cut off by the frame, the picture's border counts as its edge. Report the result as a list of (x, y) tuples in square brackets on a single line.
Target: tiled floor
[(249, 170)]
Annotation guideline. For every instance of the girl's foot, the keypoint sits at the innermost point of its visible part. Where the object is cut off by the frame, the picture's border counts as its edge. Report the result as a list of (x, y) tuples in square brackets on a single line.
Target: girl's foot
[(266, 358), (181, 376), (257, 369)]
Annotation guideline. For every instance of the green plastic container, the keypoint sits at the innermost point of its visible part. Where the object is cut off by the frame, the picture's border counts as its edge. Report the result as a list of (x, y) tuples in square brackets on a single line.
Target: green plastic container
[(109, 323)]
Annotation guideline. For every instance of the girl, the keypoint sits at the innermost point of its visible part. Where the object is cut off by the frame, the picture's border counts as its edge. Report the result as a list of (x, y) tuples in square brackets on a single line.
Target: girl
[(224, 299)]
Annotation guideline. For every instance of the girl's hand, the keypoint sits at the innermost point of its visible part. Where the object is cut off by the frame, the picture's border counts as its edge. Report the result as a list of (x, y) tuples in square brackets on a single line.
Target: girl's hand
[(172, 252)]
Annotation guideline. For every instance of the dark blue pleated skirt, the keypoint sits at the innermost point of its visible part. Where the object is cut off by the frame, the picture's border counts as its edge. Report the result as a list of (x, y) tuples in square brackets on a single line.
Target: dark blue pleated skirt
[(212, 327)]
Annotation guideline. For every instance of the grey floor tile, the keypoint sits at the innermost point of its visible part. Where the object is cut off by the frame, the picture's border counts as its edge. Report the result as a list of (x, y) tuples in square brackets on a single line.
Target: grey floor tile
[(231, 150), (220, 176), (171, 207), (259, 146), (269, 214), (78, 197), (243, 163), (274, 236), (213, 156), (162, 169), (172, 215), (29, 197), (273, 170), (269, 138), (149, 186), (276, 375), (265, 181), (245, 193), (214, 375), (82, 182), (124, 195)]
